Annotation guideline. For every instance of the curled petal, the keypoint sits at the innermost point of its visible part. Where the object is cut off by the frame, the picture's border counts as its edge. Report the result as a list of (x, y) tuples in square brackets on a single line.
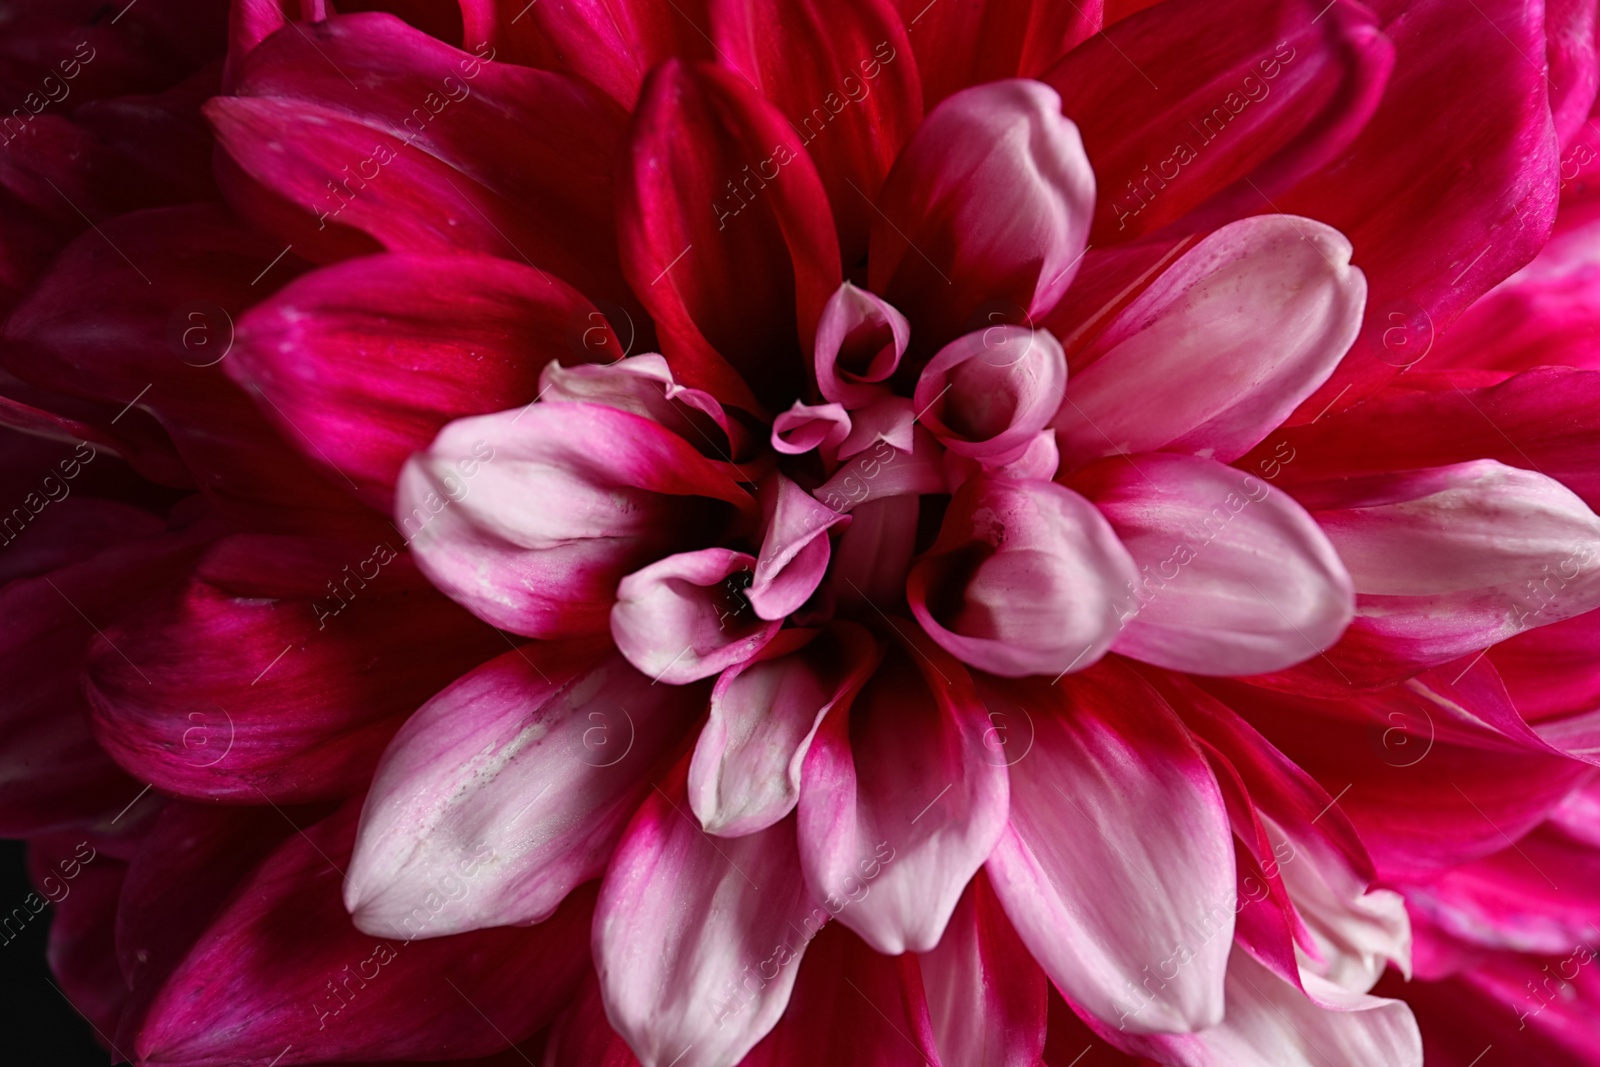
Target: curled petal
[(995, 186), (888, 418), (644, 385), (1221, 348), (687, 617), (516, 782), (885, 470), (989, 394), (745, 774), (860, 339), (1025, 578), (1235, 577), (530, 518), (807, 426), (794, 555), (900, 800)]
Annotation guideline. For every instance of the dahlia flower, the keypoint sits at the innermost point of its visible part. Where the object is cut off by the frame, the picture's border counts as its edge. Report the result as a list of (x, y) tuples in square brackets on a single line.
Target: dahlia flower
[(785, 532)]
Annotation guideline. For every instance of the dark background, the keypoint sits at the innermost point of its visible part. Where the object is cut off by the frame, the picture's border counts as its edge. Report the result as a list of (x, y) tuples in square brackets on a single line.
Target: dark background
[(37, 1023)]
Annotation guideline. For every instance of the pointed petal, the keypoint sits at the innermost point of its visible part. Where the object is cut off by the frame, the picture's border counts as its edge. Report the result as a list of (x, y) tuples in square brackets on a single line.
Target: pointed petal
[(996, 186), (900, 799), (697, 943), (518, 781), (613, 43), (1110, 882), (736, 291), (1235, 577), (1225, 343), (745, 774), (1025, 578)]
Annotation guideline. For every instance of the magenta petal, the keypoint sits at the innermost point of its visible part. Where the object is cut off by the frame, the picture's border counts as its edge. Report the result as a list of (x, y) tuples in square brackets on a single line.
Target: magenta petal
[(1025, 578), (860, 340), (1118, 846), (1190, 108), (517, 782), (887, 418), (989, 204), (530, 518), (986, 995), (900, 800), (415, 159), (1221, 347), (279, 669), (970, 42), (361, 363), (613, 43), (1235, 577), (698, 941), (988, 395), (794, 554), (842, 73), (745, 774), (282, 971), (734, 275), (687, 617)]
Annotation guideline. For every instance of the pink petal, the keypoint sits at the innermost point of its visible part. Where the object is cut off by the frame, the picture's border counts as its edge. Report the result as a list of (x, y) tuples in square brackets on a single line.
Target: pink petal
[(1245, 107), (889, 419), (516, 781), (995, 187), (807, 426), (687, 617), (1569, 28), (363, 362), (1551, 670), (885, 470), (1453, 559), (970, 42), (530, 518), (735, 280), (1126, 873), (697, 943), (900, 801), (332, 993), (745, 774), (860, 339), (989, 394), (415, 158), (281, 667), (874, 553), (1225, 343), (795, 551), (842, 73), (1025, 578), (643, 385), (986, 995), (1235, 578)]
